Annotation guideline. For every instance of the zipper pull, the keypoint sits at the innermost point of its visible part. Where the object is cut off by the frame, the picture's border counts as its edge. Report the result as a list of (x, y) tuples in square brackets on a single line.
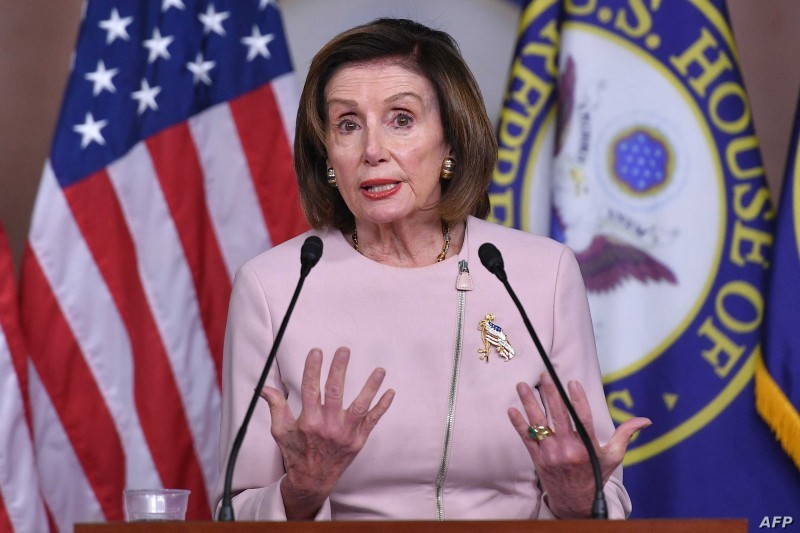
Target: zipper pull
[(464, 280)]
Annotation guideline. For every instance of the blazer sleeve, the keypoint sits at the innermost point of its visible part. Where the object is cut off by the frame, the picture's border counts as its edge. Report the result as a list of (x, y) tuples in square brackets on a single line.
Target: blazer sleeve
[(259, 467), (574, 356)]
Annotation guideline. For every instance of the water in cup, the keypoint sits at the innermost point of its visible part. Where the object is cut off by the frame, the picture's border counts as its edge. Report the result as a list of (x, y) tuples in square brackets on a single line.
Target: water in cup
[(155, 504)]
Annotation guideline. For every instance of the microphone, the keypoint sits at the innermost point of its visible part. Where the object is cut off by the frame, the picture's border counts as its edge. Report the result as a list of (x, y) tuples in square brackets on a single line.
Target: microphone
[(493, 261), (310, 253)]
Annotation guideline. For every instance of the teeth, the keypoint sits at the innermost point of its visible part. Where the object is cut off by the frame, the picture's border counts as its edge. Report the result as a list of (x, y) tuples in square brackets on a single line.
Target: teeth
[(381, 188)]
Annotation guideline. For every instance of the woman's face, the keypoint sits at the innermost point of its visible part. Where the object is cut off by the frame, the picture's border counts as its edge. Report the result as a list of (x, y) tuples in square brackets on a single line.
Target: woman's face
[(385, 141)]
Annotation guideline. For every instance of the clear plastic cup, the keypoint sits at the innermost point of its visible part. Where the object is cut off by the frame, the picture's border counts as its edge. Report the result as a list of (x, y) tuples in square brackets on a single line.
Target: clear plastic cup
[(155, 504)]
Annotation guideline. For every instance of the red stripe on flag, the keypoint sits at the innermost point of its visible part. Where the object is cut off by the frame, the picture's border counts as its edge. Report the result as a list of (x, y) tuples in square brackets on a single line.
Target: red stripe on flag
[(50, 520), (158, 402), (5, 521), (269, 156), (72, 390), (9, 320), (181, 180)]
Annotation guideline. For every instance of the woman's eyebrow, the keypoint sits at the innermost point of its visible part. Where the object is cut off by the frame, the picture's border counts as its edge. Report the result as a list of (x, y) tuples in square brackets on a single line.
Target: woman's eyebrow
[(402, 95)]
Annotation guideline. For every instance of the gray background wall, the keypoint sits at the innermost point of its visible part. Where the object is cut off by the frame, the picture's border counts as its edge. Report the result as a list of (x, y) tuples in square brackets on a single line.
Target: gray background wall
[(37, 38)]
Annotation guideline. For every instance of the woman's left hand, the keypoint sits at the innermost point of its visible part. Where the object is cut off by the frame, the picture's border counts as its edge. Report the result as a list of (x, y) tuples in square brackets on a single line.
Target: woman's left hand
[(561, 460)]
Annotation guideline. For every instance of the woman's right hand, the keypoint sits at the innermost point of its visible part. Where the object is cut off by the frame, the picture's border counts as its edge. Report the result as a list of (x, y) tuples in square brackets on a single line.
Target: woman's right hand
[(324, 439)]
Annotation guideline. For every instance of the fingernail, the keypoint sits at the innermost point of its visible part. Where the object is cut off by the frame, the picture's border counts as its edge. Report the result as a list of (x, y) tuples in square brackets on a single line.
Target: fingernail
[(343, 351)]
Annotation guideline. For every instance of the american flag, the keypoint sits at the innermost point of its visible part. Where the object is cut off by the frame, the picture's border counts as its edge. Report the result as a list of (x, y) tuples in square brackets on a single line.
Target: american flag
[(170, 166), (21, 506)]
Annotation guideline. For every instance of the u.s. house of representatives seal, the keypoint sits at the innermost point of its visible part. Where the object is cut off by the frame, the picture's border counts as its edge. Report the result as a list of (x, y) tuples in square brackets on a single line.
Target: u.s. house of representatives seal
[(658, 188)]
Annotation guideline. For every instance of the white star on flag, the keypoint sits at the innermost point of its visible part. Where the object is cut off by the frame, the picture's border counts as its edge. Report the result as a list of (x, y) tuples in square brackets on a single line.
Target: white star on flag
[(264, 3), (212, 21), (166, 4), (102, 78), (200, 68), (157, 45), (146, 96), (90, 131), (257, 44), (116, 27)]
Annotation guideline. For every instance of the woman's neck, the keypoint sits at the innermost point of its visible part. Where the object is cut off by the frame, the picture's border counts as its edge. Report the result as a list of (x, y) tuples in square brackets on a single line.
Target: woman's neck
[(408, 244)]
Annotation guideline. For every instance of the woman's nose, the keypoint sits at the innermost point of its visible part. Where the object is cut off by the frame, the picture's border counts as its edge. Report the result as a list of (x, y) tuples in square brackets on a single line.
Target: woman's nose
[(374, 146)]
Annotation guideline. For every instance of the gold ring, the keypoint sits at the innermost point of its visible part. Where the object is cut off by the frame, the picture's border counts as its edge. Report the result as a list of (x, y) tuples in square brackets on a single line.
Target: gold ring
[(539, 433)]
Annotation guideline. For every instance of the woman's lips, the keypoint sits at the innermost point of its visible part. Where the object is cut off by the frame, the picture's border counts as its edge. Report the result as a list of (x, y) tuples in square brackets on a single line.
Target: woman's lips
[(379, 189)]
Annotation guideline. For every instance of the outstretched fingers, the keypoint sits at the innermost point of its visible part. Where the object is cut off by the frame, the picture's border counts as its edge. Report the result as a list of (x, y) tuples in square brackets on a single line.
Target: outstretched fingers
[(309, 386), (520, 424), (616, 447), (334, 385), (582, 408), (613, 452), (559, 414), (359, 413), (531, 404), (281, 414), (534, 416), (323, 440)]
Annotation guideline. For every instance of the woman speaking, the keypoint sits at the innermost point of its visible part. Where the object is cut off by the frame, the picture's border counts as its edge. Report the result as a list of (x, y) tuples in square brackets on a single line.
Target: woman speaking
[(407, 386)]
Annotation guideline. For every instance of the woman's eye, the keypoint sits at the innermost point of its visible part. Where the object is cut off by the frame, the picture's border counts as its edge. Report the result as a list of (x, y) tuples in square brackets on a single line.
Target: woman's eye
[(403, 120), (347, 126)]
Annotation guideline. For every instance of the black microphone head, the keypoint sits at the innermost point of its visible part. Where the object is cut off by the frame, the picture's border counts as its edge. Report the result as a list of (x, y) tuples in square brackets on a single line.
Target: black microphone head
[(310, 252), (491, 258)]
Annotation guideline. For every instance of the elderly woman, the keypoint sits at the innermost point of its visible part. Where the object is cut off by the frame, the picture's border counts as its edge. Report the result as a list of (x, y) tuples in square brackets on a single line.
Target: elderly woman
[(393, 154)]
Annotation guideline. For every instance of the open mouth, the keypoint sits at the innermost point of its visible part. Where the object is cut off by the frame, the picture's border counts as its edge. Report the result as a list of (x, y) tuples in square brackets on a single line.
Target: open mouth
[(380, 188)]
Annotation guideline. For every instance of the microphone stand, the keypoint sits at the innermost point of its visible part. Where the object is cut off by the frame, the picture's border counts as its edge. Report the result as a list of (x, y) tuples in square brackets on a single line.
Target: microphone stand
[(310, 253), (493, 261)]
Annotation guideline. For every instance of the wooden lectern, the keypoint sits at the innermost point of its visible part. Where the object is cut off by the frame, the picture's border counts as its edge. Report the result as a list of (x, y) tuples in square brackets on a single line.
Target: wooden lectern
[(455, 526)]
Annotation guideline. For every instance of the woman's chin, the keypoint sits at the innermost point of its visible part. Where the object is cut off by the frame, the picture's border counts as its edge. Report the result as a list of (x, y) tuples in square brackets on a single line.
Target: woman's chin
[(385, 216), (391, 214)]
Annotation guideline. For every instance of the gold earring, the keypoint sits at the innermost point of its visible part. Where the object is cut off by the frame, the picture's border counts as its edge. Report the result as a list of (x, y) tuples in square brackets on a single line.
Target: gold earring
[(448, 166), (332, 177)]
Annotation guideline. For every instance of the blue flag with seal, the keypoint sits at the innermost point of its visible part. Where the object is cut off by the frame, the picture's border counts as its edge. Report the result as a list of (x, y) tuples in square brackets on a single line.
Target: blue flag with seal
[(520, 189), (657, 185), (778, 375)]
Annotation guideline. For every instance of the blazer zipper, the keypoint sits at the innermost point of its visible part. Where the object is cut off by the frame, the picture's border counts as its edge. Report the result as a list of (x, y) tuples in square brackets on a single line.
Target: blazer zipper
[(463, 284)]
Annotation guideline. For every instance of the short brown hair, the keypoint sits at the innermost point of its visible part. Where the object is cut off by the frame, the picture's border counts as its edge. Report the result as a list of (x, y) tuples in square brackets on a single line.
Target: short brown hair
[(430, 53)]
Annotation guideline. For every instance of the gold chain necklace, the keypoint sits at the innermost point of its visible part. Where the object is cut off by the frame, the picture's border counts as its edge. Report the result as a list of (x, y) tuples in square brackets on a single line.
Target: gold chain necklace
[(439, 258)]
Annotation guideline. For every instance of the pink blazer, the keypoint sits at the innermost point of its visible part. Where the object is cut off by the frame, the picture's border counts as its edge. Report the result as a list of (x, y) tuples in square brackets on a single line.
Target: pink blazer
[(406, 321)]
